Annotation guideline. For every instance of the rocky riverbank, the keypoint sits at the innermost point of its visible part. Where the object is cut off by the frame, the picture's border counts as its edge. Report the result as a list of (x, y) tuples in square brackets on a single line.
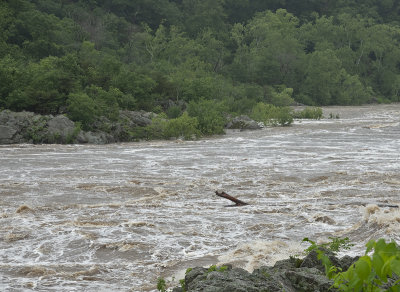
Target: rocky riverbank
[(291, 275), (28, 127)]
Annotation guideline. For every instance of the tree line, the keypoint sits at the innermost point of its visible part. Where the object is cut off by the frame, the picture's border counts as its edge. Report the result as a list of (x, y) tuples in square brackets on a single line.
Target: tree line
[(94, 58)]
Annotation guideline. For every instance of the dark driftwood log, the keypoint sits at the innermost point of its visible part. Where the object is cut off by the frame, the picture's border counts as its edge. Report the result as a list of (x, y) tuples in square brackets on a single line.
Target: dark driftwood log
[(233, 199)]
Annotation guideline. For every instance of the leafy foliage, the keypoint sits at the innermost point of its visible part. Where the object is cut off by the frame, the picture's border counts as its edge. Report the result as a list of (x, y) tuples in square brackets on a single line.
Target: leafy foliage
[(369, 272), (214, 268), (219, 56), (161, 285), (210, 116), (272, 115), (185, 127), (335, 245), (314, 113)]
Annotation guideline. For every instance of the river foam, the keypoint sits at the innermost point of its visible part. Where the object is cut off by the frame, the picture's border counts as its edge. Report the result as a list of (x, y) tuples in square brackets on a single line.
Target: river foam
[(116, 217)]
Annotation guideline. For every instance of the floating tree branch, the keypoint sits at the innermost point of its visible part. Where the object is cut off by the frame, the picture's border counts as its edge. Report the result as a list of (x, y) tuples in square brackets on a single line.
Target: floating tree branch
[(233, 199)]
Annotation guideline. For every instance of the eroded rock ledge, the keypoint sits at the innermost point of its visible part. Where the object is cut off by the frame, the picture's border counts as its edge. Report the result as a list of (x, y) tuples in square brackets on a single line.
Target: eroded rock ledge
[(28, 127), (291, 275)]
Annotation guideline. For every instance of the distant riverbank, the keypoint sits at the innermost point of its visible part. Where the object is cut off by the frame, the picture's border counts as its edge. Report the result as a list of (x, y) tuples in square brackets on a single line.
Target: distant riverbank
[(27, 127)]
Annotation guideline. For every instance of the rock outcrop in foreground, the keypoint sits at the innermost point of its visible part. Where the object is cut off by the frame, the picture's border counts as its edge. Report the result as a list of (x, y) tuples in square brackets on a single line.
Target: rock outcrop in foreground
[(291, 275)]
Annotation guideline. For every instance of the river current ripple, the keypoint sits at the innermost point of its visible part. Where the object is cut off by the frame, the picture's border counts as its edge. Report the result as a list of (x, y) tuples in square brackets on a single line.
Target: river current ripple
[(116, 217)]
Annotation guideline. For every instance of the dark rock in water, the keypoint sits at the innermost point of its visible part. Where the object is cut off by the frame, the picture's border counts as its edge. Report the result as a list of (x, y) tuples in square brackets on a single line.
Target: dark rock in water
[(243, 122), (325, 219), (291, 275)]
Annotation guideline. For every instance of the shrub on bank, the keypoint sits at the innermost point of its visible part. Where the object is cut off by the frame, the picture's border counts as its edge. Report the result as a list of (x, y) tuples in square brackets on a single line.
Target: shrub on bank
[(314, 113), (375, 272), (185, 127), (272, 115), (209, 114)]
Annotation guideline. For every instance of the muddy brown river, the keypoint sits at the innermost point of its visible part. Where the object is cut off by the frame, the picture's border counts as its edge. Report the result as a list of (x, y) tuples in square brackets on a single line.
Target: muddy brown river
[(116, 217)]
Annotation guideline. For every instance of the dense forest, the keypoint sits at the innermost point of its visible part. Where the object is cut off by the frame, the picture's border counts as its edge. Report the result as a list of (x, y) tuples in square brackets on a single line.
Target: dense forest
[(185, 58)]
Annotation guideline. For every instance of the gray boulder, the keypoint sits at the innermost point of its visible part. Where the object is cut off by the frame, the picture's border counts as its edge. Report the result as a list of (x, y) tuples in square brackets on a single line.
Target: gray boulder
[(60, 129), (94, 138), (243, 122), (14, 126), (137, 118), (7, 134), (28, 127)]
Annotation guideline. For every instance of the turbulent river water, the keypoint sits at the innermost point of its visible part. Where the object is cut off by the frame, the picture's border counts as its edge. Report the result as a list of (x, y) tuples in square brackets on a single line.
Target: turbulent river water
[(116, 217)]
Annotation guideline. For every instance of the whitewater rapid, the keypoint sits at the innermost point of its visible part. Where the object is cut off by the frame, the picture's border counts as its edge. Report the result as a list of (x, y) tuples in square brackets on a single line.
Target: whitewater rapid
[(116, 217)]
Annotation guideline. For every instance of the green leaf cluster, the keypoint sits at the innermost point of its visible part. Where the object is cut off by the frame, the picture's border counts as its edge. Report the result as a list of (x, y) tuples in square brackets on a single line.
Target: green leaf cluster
[(334, 245), (184, 127), (210, 116), (314, 113), (161, 285), (378, 270), (272, 115), (214, 268), (372, 272)]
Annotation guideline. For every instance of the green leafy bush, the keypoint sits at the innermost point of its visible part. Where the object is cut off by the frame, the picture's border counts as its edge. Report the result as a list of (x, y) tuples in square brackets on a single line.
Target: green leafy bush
[(162, 128), (156, 130), (372, 272), (210, 116), (174, 111), (282, 98), (377, 272), (335, 245), (272, 115), (184, 126), (105, 101), (314, 113), (161, 285), (82, 108)]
